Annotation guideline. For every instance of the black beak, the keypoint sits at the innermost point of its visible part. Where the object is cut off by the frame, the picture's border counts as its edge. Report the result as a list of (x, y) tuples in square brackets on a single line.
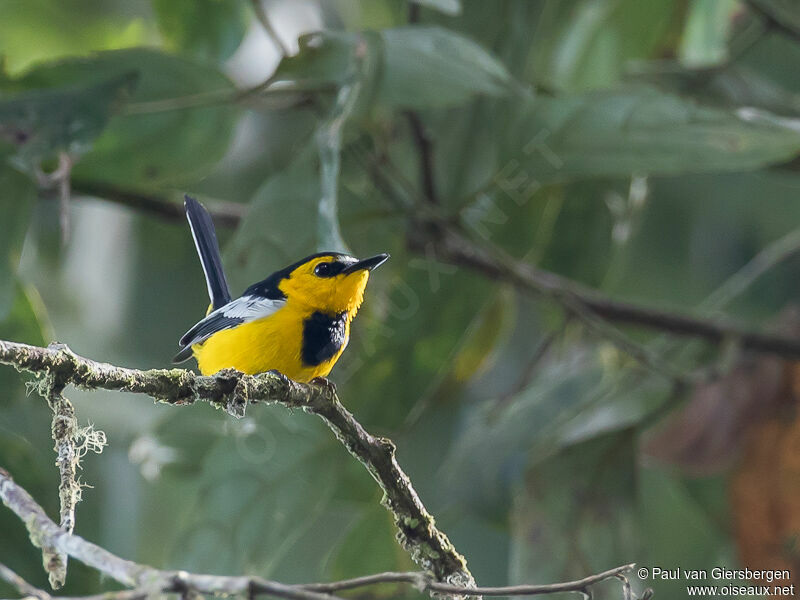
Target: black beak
[(368, 264)]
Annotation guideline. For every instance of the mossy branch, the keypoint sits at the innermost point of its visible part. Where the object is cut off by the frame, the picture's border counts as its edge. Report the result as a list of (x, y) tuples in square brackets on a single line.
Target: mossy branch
[(417, 532)]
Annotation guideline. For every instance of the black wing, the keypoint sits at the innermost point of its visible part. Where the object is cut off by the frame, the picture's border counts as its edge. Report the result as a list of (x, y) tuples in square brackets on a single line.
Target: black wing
[(205, 240), (244, 309)]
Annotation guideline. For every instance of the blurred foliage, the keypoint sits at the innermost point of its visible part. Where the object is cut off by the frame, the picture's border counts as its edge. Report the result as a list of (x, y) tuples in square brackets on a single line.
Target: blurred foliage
[(646, 149)]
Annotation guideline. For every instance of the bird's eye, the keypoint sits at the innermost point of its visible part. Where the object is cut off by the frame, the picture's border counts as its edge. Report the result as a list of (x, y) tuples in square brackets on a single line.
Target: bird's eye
[(323, 270)]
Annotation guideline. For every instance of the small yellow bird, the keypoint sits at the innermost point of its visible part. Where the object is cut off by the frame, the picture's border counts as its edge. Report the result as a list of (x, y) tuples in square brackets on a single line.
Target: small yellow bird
[(296, 321)]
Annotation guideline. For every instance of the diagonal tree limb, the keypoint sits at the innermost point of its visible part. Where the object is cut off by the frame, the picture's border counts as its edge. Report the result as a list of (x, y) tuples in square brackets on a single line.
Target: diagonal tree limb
[(44, 531), (22, 586), (225, 214), (454, 248), (417, 532), (147, 581)]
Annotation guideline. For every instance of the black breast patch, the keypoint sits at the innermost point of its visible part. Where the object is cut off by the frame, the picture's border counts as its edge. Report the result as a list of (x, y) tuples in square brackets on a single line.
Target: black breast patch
[(323, 337)]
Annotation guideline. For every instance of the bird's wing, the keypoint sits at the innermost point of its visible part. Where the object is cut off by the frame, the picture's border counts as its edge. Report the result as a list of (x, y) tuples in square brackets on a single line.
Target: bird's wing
[(205, 240), (244, 309)]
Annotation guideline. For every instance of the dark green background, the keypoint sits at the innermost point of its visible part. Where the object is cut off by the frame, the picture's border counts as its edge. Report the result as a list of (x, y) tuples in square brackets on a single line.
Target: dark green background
[(643, 148)]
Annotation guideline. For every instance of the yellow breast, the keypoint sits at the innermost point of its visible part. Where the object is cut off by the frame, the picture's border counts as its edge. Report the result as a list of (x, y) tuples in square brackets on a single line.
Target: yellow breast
[(272, 343)]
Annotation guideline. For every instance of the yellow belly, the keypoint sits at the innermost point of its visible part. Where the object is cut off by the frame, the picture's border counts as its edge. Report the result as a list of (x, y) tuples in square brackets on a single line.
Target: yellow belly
[(272, 343)]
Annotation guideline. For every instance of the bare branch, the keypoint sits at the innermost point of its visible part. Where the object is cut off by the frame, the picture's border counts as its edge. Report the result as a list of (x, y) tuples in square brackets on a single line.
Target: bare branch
[(22, 586), (454, 248), (146, 580), (423, 582), (263, 18), (428, 546), (225, 214)]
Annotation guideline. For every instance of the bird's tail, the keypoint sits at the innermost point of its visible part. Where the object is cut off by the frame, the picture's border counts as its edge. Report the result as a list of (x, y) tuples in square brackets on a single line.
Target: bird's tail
[(205, 240)]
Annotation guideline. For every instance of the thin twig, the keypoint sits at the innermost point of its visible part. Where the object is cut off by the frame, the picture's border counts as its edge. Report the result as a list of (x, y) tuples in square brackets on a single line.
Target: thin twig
[(428, 546), (424, 583), (766, 259), (146, 580), (263, 18), (528, 372), (22, 586)]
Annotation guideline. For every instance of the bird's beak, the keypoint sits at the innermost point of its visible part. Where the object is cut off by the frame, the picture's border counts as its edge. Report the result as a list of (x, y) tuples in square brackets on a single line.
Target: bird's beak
[(367, 263)]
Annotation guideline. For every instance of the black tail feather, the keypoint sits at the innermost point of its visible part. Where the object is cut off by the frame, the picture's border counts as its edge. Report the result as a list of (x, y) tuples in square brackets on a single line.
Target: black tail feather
[(184, 355), (205, 240)]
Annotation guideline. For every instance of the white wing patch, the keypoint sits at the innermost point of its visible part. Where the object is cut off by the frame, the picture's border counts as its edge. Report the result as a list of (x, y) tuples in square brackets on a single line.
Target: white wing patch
[(244, 309), (250, 308)]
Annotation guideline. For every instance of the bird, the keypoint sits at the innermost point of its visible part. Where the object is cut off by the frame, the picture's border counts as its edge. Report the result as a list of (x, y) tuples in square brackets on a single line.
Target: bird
[(296, 321)]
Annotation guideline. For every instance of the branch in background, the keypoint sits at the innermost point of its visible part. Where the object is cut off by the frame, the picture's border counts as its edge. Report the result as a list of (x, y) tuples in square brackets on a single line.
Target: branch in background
[(146, 580), (22, 586), (417, 532), (423, 143), (454, 248), (227, 214), (263, 18)]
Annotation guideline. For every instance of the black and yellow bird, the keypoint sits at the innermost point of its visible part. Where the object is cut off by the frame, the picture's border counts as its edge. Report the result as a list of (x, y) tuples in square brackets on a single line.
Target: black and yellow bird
[(296, 321)]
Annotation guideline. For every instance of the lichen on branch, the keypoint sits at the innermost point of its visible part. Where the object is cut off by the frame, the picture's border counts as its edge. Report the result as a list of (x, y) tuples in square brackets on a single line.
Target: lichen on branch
[(417, 532), (67, 436)]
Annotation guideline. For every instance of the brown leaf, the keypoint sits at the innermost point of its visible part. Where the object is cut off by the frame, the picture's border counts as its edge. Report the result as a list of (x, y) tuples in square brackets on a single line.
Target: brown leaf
[(765, 495), (705, 436)]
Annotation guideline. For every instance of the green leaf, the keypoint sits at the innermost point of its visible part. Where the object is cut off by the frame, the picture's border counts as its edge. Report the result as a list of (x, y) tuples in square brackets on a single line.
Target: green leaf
[(430, 66), (708, 25), (584, 44), (322, 59), (678, 528), (41, 30), (481, 339), (211, 29), (17, 195), (730, 86), (42, 122), (448, 7), (416, 67), (163, 137), (263, 486), (493, 447), (269, 238), (640, 130), (23, 322)]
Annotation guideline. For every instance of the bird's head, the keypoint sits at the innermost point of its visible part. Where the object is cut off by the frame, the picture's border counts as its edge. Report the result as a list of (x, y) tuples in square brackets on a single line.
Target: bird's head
[(330, 282)]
